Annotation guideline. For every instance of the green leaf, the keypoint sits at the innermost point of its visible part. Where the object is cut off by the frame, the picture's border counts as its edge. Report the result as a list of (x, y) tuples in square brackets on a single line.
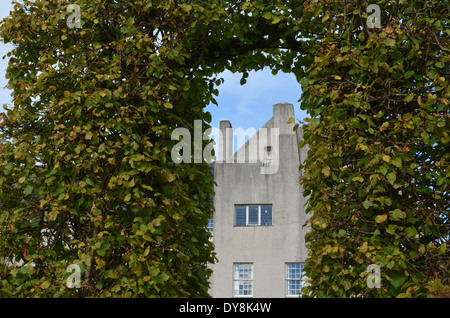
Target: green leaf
[(397, 279), (391, 176), (28, 189), (397, 214), (409, 74), (367, 204), (161, 278), (390, 42), (304, 82), (387, 201), (425, 135), (410, 231)]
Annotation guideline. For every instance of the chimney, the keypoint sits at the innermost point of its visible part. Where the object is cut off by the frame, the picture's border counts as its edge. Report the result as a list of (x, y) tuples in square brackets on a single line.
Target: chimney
[(281, 114), (225, 142)]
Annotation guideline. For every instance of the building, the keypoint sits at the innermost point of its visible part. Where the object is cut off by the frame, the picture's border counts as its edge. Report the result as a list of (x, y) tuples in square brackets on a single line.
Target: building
[(259, 213)]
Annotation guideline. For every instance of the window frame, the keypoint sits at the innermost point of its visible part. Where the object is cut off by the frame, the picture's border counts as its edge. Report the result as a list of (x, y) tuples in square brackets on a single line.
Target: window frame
[(301, 279), (242, 282), (247, 215), (210, 227), (268, 156)]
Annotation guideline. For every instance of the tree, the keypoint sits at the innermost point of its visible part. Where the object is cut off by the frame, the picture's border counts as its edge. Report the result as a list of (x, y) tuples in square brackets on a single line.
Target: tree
[(86, 173), (85, 168), (377, 170)]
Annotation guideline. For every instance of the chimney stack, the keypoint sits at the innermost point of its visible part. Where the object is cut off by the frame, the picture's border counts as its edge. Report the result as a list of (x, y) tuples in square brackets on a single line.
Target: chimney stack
[(281, 114), (226, 141)]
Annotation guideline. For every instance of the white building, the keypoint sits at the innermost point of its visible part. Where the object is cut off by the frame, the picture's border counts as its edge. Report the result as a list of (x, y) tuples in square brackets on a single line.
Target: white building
[(259, 212)]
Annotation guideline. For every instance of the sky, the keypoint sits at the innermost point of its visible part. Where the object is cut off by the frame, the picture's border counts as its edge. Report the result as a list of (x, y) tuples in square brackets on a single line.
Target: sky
[(245, 106)]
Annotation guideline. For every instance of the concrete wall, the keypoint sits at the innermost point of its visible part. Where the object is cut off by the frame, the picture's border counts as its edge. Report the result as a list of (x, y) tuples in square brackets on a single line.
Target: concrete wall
[(269, 248)]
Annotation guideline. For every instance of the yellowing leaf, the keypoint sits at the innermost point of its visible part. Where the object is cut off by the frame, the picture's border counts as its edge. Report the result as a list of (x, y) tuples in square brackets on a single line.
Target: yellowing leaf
[(276, 20), (381, 218), (170, 177), (113, 275), (386, 158), (45, 284), (396, 162), (388, 30), (389, 42), (409, 98), (358, 179), (88, 136), (267, 15), (326, 171)]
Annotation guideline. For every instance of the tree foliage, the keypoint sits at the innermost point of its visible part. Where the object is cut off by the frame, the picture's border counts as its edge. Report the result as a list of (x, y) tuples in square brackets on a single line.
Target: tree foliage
[(377, 170), (86, 173)]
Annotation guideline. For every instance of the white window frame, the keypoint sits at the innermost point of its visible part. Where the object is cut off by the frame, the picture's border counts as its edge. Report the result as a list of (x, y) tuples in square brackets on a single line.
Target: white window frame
[(210, 227), (247, 206), (301, 279), (237, 281), (268, 156)]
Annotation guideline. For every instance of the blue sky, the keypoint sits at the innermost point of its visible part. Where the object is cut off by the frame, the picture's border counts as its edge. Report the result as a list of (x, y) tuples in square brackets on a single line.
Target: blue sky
[(245, 106), (5, 97)]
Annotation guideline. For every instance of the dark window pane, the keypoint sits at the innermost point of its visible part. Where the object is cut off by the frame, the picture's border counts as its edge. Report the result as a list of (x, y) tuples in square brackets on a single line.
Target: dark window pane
[(266, 214), (253, 218), (240, 215)]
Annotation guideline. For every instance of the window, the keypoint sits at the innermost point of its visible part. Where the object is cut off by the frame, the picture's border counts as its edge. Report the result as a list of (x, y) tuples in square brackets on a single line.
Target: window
[(243, 280), (253, 215), (268, 156), (209, 228), (294, 279)]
